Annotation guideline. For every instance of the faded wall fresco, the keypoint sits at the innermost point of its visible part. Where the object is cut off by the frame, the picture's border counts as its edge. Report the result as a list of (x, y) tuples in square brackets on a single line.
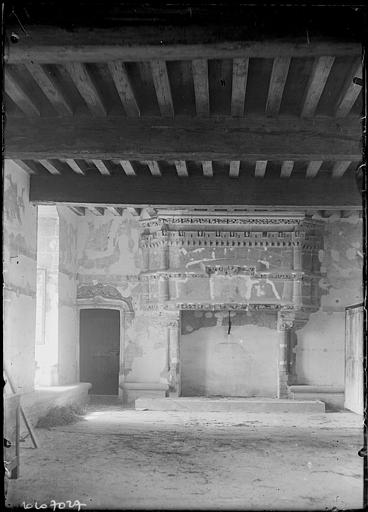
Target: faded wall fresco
[(320, 357), (19, 256)]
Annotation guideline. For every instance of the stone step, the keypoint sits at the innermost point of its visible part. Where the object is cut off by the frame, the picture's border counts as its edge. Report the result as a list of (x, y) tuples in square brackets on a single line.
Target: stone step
[(203, 404)]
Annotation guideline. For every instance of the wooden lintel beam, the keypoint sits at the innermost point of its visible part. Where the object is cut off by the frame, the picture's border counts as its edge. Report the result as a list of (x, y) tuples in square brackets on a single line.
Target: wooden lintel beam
[(124, 88), (201, 86), (87, 88), (278, 78), (172, 42), (162, 86), (316, 84), (222, 138), (20, 97), (50, 88), (239, 85), (171, 190)]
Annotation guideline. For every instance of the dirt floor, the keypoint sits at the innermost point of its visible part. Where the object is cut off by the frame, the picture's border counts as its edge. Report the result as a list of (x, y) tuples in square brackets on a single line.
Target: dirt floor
[(127, 459)]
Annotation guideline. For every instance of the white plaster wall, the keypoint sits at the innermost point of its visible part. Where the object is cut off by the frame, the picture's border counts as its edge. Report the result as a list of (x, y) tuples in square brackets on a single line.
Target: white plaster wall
[(146, 349), (68, 321), (19, 256), (320, 357), (242, 364)]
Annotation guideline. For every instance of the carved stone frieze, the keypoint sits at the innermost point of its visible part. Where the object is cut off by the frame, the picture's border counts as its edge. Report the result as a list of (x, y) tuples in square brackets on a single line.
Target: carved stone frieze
[(94, 292)]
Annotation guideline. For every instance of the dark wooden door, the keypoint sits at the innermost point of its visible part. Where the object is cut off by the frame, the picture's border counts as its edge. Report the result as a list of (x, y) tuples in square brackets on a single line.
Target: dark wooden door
[(99, 350)]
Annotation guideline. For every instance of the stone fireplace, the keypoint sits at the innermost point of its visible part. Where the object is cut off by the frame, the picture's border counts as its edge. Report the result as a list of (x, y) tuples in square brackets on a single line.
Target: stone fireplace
[(231, 290)]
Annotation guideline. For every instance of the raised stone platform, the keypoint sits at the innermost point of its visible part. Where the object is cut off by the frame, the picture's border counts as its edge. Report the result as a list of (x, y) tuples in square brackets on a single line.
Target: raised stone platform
[(252, 405)]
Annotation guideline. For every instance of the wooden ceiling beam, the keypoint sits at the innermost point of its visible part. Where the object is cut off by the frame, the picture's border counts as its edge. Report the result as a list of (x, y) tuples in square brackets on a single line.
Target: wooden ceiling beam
[(46, 45), (316, 84), (117, 212), (153, 167), (171, 190), (201, 86), (181, 167), (340, 168), (234, 168), (50, 88), (260, 168), (78, 210), (16, 92), (50, 167), (313, 168), (162, 87), (207, 168), (24, 166), (222, 138), (75, 166), (128, 168), (124, 88), (85, 85), (286, 168), (101, 166), (96, 210), (278, 78), (350, 91), (239, 85)]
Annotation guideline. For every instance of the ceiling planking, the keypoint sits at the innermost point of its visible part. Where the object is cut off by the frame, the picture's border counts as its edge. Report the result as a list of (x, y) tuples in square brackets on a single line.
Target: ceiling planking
[(82, 88), (186, 169), (189, 104)]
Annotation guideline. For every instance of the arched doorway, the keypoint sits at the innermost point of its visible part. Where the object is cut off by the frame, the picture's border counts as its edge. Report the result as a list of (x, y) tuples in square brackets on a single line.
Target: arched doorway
[(104, 315), (99, 335)]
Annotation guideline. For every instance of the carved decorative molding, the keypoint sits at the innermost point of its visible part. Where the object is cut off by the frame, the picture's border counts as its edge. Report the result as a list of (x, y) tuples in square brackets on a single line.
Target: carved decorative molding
[(93, 292), (240, 220)]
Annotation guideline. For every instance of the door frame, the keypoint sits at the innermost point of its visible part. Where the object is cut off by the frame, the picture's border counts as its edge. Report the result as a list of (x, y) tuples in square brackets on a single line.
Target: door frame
[(126, 315)]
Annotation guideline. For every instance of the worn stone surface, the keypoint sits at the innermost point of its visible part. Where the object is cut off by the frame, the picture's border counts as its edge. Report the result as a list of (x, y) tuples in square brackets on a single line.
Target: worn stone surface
[(19, 271), (124, 459), (321, 342)]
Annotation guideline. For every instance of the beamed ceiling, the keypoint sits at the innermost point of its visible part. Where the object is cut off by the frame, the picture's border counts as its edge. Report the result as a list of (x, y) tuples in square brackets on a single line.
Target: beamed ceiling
[(136, 117)]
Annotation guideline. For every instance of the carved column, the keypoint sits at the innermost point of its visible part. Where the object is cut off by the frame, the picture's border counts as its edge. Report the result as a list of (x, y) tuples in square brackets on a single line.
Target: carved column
[(284, 326), (174, 357), (145, 257), (164, 252), (163, 288), (297, 257)]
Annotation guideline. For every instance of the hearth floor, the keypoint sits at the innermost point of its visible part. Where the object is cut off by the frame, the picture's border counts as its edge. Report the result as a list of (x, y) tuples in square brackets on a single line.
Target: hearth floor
[(116, 458)]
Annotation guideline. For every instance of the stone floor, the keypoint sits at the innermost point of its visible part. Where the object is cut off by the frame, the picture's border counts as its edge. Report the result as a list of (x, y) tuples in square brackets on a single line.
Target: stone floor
[(127, 459)]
